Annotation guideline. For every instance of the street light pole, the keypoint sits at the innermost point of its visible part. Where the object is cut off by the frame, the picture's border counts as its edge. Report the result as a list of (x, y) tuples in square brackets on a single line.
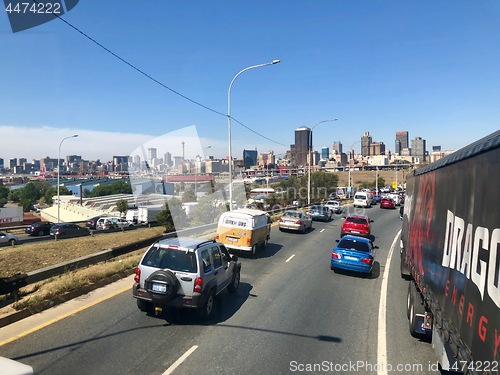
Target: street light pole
[(310, 157), (229, 126), (58, 174)]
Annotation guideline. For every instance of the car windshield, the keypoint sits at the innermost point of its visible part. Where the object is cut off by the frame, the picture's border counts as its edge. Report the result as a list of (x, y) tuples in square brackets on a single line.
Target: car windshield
[(347, 243), (172, 259)]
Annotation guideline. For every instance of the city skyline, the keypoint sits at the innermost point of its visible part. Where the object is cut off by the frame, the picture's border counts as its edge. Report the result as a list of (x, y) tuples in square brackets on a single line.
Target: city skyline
[(367, 146)]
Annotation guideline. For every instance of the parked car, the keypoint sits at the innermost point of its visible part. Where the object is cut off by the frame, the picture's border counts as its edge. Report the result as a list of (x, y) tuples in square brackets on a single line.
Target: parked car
[(41, 228), (359, 225), (353, 253), (318, 212), (68, 230), (92, 222), (295, 220), (105, 223), (185, 273), (8, 238), (334, 206), (387, 203)]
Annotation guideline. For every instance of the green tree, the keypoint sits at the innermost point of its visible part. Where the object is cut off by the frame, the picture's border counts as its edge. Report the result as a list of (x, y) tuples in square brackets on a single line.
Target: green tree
[(207, 210), (14, 195), (173, 216), (122, 206), (189, 195), (4, 192), (116, 187)]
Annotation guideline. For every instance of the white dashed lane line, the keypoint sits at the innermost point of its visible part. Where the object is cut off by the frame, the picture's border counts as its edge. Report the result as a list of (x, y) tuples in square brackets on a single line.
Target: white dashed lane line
[(289, 259), (177, 363)]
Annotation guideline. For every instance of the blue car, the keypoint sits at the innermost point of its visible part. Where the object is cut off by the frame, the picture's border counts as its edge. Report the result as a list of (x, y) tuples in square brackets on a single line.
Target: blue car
[(354, 253)]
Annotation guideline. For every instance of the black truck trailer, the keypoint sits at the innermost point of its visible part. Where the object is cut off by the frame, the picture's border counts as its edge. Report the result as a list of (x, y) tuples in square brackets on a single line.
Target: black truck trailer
[(450, 252)]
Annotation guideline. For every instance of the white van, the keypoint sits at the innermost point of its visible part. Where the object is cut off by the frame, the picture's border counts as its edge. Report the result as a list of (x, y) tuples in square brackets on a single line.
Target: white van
[(362, 199)]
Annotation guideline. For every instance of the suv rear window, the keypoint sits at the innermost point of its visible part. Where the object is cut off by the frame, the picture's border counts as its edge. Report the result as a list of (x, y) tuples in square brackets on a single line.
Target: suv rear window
[(173, 259), (356, 220)]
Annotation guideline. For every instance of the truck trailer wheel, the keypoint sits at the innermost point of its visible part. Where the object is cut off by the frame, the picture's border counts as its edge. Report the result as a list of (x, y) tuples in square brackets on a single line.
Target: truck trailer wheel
[(416, 310)]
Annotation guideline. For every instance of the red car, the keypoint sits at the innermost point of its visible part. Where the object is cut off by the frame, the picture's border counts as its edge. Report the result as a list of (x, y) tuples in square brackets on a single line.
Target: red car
[(387, 203), (357, 225)]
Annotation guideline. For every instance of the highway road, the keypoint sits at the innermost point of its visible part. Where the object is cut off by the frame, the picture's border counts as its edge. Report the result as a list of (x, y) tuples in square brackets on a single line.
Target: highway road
[(292, 314)]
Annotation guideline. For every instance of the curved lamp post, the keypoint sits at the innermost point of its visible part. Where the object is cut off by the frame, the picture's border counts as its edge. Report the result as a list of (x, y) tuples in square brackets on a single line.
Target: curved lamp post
[(229, 126), (310, 158), (59, 172)]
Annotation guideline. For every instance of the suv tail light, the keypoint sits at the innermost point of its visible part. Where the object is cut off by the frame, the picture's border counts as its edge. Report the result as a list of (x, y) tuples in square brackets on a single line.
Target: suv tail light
[(198, 285), (137, 277)]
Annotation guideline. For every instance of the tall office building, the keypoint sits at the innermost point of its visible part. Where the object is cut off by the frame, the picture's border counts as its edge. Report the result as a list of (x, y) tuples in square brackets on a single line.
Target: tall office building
[(366, 141), (337, 148), (377, 148), (325, 152), (401, 142), (303, 143), (249, 158), (151, 154), (167, 159), (418, 150)]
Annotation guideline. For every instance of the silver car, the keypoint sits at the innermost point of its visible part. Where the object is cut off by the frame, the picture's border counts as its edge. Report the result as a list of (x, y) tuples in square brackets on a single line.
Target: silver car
[(295, 220), (8, 238)]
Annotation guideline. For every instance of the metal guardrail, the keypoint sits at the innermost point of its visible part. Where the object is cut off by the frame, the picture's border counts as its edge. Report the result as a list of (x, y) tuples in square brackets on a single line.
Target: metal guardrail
[(15, 282)]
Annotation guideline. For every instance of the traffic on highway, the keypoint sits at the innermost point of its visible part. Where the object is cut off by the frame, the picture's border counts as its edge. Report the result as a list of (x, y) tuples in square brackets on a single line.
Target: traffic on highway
[(290, 313)]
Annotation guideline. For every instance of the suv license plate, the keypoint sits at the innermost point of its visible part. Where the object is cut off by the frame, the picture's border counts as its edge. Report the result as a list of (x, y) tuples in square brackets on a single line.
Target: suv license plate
[(162, 288)]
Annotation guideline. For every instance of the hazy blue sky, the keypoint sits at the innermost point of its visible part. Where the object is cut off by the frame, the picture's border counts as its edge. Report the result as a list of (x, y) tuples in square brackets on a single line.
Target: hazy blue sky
[(429, 67)]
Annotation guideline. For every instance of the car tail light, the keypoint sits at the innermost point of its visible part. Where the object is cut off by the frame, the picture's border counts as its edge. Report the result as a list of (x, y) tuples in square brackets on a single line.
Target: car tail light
[(137, 277), (366, 260), (281, 220), (298, 222), (198, 285), (217, 237), (248, 241), (336, 255)]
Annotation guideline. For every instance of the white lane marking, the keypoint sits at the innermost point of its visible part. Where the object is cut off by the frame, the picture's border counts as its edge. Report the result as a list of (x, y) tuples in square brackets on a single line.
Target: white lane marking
[(177, 363), (382, 334), (289, 259), (322, 230)]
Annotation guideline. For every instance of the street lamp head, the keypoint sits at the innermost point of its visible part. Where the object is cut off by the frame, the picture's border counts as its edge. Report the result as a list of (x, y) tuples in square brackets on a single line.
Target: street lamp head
[(75, 135), (276, 61)]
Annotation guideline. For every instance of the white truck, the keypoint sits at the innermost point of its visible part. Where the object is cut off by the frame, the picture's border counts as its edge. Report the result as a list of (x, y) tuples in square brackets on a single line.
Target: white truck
[(147, 214)]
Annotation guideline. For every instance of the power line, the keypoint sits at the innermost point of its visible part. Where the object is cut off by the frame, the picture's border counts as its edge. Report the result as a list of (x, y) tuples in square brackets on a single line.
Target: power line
[(157, 81)]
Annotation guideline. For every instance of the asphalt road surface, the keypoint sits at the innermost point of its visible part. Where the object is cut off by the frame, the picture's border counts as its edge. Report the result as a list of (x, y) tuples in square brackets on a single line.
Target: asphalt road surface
[(292, 314)]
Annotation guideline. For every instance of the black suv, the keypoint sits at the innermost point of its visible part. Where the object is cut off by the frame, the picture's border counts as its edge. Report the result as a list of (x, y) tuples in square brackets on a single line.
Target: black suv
[(185, 273)]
